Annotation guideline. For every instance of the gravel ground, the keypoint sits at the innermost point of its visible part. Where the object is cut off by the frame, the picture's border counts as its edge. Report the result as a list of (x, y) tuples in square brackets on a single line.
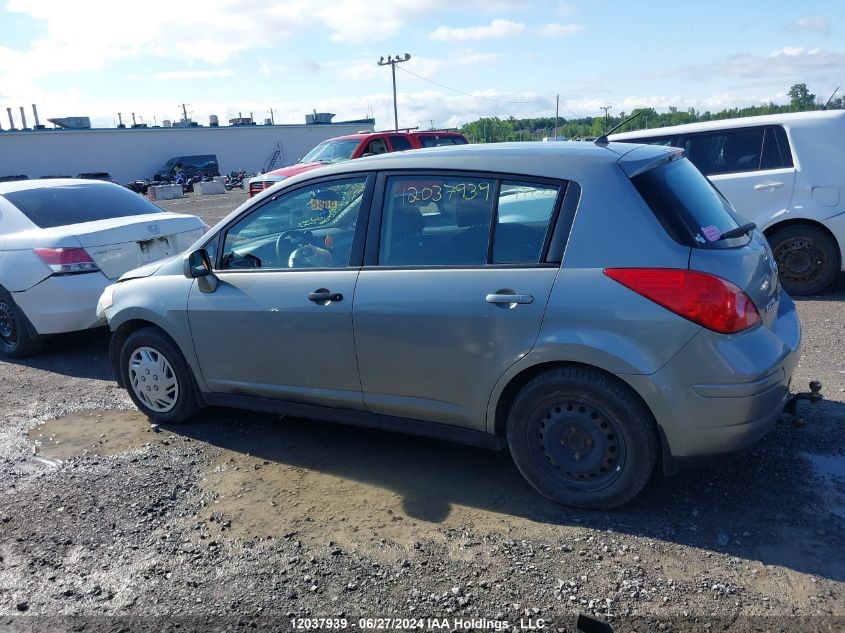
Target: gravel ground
[(239, 521)]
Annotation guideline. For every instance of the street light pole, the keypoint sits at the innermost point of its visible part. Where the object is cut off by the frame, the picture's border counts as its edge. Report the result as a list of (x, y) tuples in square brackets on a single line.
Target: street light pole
[(392, 61)]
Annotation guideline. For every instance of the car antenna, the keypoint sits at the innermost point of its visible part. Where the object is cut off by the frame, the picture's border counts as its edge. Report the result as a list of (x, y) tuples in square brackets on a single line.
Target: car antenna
[(602, 140), (824, 107)]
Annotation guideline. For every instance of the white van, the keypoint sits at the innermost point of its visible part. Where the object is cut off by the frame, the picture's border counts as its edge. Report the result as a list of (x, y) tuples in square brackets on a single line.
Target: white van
[(784, 172)]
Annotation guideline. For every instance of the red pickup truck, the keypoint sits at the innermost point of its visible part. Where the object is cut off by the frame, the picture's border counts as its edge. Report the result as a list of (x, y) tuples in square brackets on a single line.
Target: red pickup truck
[(352, 146)]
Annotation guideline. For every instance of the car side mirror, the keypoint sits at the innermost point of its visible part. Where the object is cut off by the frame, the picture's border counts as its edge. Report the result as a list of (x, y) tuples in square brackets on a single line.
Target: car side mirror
[(197, 264)]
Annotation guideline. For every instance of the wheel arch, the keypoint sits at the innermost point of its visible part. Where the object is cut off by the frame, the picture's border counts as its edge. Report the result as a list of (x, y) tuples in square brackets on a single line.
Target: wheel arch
[(523, 377), (770, 230), (123, 329)]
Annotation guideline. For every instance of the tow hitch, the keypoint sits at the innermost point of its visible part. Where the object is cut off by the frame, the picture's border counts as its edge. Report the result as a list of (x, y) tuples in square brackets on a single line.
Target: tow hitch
[(814, 396)]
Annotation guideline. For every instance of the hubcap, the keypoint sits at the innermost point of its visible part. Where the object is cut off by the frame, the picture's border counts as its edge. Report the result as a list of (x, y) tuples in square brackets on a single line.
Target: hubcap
[(800, 260), (153, 379), (8, 324), (581, 445)]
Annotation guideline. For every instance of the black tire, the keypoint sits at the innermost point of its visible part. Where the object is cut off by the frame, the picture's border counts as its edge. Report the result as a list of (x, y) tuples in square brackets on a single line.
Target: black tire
[(185, 404), (582, 437), (16, 338), (807, 258)]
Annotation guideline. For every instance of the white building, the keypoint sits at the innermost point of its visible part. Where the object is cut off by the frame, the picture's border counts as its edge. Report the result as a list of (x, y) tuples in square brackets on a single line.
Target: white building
[(134, 153)]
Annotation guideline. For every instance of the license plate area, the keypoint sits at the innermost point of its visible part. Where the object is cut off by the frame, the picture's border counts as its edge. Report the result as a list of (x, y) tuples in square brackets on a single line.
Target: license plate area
[(155, 249)]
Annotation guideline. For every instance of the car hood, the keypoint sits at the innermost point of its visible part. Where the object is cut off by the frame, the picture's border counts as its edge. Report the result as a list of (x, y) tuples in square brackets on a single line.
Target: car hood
[(293, 170)]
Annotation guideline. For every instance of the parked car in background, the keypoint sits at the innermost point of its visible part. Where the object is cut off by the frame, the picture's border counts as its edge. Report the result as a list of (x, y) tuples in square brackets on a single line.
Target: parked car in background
[(96, 175), (785, 173), (554, 298), (336, 150), (202, 165), (62, 242)]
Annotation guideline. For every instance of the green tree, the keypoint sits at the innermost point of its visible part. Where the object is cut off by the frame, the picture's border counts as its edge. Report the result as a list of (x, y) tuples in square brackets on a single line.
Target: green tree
[(800, 98)]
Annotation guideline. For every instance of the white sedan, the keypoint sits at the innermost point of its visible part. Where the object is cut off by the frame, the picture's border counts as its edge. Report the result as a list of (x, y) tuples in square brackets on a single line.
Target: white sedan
[(62, 242)]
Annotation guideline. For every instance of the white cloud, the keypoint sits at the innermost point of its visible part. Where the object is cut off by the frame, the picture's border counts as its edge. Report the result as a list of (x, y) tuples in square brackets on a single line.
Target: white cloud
[(192, 74), (558, 30), (814, 23), (496, 29)]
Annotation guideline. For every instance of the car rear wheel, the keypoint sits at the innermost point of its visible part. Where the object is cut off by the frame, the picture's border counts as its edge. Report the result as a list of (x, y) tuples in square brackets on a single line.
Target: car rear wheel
[(807, 258), (16, 339), (582, 437), (157, 377)]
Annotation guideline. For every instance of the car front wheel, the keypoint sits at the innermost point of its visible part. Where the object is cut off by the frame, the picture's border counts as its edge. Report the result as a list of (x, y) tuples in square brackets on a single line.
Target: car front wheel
[(582, 437), (157, 377)]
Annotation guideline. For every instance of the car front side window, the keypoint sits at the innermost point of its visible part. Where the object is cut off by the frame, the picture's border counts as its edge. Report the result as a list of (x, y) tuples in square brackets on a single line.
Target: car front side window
[(311, 227)]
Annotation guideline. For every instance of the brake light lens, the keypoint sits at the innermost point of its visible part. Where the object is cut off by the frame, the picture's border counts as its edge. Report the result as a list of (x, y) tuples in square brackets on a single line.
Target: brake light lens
[(66, 260), (710, 301)]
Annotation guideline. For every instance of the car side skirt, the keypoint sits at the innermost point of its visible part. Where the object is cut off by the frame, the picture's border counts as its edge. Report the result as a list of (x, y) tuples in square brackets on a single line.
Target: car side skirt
[(423, 428)]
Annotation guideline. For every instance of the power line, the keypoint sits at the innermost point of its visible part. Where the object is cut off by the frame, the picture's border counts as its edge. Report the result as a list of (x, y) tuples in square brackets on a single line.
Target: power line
[(465, 93)]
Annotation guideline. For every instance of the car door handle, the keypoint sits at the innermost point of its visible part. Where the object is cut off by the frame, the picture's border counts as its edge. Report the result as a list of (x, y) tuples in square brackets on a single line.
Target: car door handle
[(768, 185), (323, 296), (509, 298)]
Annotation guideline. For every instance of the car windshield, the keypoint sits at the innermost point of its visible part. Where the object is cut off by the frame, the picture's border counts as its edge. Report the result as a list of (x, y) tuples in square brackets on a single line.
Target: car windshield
[(331, 151), (48, 207)]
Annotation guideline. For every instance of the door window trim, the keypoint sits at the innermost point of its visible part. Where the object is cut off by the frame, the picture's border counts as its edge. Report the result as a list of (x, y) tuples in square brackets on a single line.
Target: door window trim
[(356, 255), (373, 240)]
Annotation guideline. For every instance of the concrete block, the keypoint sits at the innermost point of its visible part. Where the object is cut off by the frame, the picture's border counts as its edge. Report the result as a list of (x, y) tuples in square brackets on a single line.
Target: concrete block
[(164, 192), (221, 179), (208, 188)]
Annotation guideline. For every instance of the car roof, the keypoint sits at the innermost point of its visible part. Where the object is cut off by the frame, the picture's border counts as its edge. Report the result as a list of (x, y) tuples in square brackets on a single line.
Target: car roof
[(790, 119), (550, 160), (22, 185)]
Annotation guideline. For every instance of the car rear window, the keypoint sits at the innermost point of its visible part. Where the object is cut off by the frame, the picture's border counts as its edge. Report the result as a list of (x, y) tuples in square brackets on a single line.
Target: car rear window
[(48, 207), (688, 206)]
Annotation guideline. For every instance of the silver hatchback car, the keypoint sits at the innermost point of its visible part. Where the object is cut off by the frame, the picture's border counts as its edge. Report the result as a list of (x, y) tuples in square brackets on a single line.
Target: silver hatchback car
[(598, 309)]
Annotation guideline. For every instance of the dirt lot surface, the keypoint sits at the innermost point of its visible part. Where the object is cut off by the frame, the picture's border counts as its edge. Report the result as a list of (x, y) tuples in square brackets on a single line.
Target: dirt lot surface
[(238, 520)]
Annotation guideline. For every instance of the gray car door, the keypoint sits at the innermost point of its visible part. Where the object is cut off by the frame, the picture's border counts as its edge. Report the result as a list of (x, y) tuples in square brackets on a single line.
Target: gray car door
[(446, 302), (279, 323)]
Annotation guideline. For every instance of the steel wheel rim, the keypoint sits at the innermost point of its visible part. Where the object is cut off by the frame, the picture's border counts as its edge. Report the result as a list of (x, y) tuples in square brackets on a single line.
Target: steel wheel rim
[(8, 324), (580, 445), (153, 380), (800, 260)]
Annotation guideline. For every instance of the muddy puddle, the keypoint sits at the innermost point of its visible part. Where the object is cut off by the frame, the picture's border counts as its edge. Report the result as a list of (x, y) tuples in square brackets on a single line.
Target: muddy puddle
[(356, 486), (96, 432)]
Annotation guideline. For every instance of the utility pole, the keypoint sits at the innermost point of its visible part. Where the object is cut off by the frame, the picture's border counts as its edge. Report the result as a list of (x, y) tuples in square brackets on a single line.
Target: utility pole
[(557, 112), (272, 118), (392, 61), (606, 116)]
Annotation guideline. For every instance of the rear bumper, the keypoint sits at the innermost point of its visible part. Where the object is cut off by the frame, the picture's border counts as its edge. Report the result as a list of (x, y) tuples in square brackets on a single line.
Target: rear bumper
[(700, 415), (64, 303)]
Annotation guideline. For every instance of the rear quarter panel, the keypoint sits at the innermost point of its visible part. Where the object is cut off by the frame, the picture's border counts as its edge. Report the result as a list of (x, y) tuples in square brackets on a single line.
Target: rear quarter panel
[(592, 319)]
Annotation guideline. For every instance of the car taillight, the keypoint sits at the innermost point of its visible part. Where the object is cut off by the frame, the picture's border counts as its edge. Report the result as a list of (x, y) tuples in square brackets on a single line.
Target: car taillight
[(711, 301), (66, 260)]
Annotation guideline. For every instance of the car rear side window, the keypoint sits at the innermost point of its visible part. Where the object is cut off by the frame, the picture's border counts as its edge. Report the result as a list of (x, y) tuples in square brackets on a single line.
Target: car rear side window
[(725, 151), (48, 207), (688, 206), (522, 221), (400, 143), (438, 140)]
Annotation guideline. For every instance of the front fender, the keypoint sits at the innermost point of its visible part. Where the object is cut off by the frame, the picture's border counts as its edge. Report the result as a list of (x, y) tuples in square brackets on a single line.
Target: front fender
[(162, 301)]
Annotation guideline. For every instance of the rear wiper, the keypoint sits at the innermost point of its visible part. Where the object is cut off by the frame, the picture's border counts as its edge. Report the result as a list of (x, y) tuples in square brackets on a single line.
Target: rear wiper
[(739, 231)]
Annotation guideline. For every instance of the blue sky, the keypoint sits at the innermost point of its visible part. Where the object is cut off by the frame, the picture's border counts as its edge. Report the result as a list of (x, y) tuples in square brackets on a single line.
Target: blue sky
[(223, 57)]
